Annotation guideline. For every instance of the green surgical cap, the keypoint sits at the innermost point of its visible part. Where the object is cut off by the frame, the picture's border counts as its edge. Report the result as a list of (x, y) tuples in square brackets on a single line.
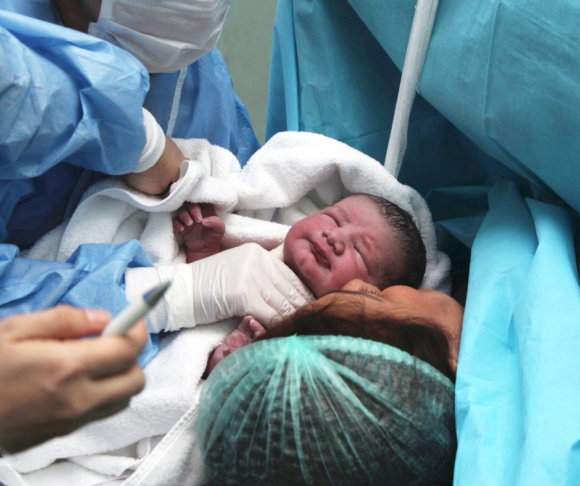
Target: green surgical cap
[(327, 410)]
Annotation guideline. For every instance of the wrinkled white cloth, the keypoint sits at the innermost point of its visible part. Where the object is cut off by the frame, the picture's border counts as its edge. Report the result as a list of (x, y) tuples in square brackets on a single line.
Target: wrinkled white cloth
[(293, 176)]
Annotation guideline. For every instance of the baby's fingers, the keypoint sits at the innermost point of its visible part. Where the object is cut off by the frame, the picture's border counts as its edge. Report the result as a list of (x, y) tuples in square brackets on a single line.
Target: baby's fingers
[(177, 226), (207, 210), (244, 326), (214, 223), (256, 328), (195, 212), (185, 217)]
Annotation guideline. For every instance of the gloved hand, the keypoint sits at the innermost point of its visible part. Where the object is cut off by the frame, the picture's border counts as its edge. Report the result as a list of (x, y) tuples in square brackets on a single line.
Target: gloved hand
[(242, 281), (247, 280)]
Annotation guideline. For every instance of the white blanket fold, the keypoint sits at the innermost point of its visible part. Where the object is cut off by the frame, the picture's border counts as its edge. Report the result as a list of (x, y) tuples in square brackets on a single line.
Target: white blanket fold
[(294, 175)]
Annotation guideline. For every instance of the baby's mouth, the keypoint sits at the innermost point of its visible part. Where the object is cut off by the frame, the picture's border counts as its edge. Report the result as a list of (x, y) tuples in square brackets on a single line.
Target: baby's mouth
[(319, 255)]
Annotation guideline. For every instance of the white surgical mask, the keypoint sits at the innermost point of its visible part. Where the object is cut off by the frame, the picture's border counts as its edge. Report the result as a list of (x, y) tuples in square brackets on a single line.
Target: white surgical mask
[(165, 35)]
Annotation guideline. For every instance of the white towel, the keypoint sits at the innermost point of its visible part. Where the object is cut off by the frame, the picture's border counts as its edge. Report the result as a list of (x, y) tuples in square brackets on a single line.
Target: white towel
[(293, 176), (172, 380)]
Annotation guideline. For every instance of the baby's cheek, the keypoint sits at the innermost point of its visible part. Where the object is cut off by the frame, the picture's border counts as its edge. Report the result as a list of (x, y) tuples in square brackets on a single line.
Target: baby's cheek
[(347, 271)]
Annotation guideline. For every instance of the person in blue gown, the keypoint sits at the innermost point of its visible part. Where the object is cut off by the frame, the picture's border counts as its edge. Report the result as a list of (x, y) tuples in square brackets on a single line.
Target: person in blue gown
[(71, 109)]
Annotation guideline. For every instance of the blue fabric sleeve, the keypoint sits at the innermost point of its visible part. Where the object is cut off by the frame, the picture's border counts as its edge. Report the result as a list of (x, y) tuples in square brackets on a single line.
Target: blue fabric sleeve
[(93, 277), (66, 97)]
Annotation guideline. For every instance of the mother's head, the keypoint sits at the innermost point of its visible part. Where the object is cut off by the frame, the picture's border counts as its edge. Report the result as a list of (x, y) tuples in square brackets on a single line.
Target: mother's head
[(424, 323), (331, 409), (327, 410)]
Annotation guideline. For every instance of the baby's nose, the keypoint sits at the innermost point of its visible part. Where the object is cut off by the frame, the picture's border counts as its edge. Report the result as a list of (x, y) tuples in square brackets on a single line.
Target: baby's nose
[(335, 240)]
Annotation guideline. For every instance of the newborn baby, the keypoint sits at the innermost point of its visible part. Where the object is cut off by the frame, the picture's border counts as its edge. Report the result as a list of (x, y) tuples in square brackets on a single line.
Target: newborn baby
[(360, 237)]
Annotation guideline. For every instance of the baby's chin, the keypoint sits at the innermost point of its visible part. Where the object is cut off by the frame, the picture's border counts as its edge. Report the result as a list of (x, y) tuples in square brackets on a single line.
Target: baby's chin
[(311, 283), (318, 286), (318, 289)]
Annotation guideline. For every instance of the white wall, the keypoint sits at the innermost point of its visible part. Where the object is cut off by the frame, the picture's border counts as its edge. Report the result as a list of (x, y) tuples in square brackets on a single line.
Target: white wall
[(246, 43)]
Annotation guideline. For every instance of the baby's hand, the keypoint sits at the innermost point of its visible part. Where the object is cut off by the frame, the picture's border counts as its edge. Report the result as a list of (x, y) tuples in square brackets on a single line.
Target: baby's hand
[(251, 328), (247, 332), (201, 229)]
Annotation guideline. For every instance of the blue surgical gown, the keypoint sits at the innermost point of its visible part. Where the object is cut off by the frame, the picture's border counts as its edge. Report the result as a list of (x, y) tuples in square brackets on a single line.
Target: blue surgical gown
[(66, 107), (71, 107), (196, 102)]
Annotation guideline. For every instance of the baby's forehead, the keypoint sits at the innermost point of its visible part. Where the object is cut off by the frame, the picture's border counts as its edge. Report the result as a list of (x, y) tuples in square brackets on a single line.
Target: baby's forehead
[(355, 200), (345, 203), (376, 229), (361, 209)]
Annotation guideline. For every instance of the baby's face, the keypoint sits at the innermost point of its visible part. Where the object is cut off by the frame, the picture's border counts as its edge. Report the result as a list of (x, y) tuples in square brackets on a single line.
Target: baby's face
[(348, 240)]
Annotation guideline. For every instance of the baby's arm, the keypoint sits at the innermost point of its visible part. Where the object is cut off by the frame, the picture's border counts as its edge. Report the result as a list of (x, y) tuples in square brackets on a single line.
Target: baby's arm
[(201, 229)]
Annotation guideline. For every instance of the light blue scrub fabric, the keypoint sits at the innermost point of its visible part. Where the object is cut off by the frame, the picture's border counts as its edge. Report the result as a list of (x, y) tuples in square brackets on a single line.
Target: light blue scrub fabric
[(66, 105), (202, 99), (518, 382), (71, 102), (68, 102), (65, 97), (500, 82), (93, 277)]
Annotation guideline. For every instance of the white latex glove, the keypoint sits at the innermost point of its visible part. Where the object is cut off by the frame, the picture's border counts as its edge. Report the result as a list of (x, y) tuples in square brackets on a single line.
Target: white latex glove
[(247, 280), (242, 281)]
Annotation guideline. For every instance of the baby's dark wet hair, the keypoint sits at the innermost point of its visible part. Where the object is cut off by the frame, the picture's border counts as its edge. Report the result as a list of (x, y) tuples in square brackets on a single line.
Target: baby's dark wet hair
[(413, 253)]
